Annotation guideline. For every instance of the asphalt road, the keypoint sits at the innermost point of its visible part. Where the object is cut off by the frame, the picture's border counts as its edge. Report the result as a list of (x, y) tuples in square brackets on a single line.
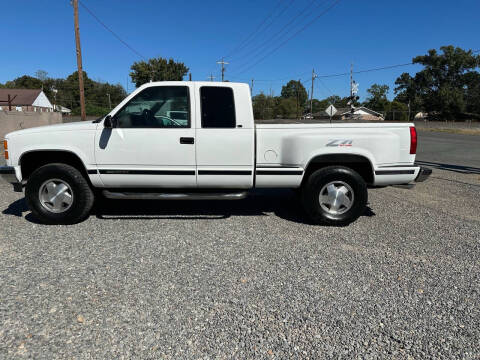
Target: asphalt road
[(449, 151), (246, 279)]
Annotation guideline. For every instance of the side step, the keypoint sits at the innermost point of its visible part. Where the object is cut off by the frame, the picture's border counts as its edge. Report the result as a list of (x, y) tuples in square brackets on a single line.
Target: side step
[(174, 196)]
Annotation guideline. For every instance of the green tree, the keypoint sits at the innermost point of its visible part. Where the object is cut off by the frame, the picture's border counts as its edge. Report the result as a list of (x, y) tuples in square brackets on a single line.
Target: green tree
[(293, 89), (67, 92), (24, 82), (442, 88), (287, 108), (377, 99), (264, 107), (397, 111), (472, 94), (41, 75), (157, 69), (319, 106), (334, 100), (96, 98)]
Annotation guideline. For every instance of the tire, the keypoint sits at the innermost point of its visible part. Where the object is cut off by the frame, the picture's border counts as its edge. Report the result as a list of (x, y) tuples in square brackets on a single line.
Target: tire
[(70, 206), (334, 208)]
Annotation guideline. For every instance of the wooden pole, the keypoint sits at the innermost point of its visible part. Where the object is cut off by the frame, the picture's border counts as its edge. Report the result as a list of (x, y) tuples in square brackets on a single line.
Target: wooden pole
[(311, 94), (79, 61)]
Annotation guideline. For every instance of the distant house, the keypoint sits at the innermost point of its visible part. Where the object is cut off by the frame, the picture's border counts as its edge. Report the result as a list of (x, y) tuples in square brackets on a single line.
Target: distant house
[(421, 116), (25, 100), (360, 113)]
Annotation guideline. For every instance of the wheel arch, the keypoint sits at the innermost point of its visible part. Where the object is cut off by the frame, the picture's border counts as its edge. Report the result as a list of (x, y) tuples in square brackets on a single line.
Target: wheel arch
[(359, 163), (31, 160)]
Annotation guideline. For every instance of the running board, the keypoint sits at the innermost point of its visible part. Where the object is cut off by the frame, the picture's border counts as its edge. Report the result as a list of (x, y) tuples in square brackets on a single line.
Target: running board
[(174, 196)]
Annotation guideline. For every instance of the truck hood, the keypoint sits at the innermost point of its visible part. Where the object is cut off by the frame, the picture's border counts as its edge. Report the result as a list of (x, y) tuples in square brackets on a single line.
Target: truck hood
[(74, 126)]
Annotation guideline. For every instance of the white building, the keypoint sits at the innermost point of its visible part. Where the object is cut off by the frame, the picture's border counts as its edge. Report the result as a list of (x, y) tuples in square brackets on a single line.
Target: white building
[(24, 100)]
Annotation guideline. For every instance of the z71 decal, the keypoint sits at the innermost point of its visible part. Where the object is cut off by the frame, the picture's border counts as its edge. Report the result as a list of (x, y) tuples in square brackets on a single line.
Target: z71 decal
[(340, 142)]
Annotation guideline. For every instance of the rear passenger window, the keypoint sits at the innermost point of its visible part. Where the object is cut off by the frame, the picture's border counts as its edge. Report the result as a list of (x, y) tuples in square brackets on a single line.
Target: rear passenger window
[(218, 107)]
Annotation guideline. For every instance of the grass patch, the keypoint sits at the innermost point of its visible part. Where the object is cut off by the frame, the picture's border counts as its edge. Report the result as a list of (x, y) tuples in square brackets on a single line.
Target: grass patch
[(452, 131)]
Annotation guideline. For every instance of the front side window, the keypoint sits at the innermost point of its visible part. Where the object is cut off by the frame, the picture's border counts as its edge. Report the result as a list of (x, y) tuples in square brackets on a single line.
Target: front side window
[(157, 107), (218, 107)]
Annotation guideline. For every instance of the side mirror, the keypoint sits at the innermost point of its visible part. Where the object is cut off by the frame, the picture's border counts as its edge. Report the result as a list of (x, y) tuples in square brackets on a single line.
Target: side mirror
[(109, 122)]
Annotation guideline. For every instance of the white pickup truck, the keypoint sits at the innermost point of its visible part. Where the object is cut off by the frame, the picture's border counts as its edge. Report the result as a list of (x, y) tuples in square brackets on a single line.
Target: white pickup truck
[(198, 140)]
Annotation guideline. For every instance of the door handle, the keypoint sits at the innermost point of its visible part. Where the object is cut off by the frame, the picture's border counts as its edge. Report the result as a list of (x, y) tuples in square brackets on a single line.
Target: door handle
[(187, 140)]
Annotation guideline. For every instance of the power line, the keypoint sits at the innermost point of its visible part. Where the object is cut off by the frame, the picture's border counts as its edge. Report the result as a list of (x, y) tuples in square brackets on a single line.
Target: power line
[(337, 75), (278, 35), (244, 42), (294, 35), (111, 31), (366, 71)]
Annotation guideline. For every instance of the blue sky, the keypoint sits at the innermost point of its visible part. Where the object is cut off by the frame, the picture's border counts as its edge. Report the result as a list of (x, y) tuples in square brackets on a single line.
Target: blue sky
[(370, 33)]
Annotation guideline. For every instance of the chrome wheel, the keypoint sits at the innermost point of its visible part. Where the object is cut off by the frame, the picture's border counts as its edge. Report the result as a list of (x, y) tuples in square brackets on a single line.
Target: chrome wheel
[(56, 195), (336, 197)]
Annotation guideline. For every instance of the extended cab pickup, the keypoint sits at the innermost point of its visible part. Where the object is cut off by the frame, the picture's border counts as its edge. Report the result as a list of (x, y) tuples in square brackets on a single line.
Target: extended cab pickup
[(198, 140)]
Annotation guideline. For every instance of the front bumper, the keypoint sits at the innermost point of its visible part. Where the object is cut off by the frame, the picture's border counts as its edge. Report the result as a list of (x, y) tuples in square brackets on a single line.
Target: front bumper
[(423, 174), (7, 173)]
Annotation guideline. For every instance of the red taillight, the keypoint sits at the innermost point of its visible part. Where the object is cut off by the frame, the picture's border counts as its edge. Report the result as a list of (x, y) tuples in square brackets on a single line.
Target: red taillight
[(413, 140)]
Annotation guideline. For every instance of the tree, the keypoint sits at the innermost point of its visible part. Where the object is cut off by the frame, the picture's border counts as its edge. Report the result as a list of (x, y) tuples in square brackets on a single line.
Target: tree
[(472, 94), (67, 92), (24, 82), (377, 99), (157, 69), (396, 110), (287, 108), (443, 86), (264, 107), (41, 75), (319, 106), (293, 89)]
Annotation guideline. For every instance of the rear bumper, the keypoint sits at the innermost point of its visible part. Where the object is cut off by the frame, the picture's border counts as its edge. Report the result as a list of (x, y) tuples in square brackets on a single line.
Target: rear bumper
[(423, 174), (8, 174), (401, 175)]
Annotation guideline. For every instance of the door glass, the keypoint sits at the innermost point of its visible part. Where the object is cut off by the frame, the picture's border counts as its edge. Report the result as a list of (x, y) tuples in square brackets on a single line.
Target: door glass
[(157, 107), (218, 107)]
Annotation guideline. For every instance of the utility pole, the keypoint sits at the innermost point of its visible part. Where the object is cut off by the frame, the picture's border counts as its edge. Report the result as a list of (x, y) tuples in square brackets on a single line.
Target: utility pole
[(351, 79), (79, 61), (298, 100), (189, 76), (251, 90), (223, 63), (109, 102), (211, 77), (314, 76), (55, 91), (409, 110), (353, 91)]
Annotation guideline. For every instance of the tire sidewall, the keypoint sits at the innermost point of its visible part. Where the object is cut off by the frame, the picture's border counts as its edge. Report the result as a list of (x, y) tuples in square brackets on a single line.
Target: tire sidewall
[(322, 177), (66, 173)]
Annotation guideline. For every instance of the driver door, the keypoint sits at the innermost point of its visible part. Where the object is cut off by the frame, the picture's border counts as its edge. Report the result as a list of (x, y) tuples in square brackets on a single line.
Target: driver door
[(152, 143)]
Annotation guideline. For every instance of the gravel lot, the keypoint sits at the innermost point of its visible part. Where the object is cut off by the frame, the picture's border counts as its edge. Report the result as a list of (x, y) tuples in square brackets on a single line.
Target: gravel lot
[(246, 279)]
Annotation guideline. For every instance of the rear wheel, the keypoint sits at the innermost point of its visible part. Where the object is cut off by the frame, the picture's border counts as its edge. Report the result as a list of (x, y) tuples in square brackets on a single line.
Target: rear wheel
[(59, 194), (334, 195)]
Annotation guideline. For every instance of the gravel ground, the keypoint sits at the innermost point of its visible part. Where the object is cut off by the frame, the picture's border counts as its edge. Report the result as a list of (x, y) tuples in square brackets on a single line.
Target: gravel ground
[(246, 279)]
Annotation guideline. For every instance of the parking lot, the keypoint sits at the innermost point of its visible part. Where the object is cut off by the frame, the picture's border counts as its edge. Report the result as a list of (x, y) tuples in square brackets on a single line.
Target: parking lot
[(247, 279)]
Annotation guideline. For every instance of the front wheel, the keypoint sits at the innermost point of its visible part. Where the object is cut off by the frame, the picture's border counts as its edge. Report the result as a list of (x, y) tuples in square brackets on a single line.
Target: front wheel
[(334, 195), (59, 194)]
